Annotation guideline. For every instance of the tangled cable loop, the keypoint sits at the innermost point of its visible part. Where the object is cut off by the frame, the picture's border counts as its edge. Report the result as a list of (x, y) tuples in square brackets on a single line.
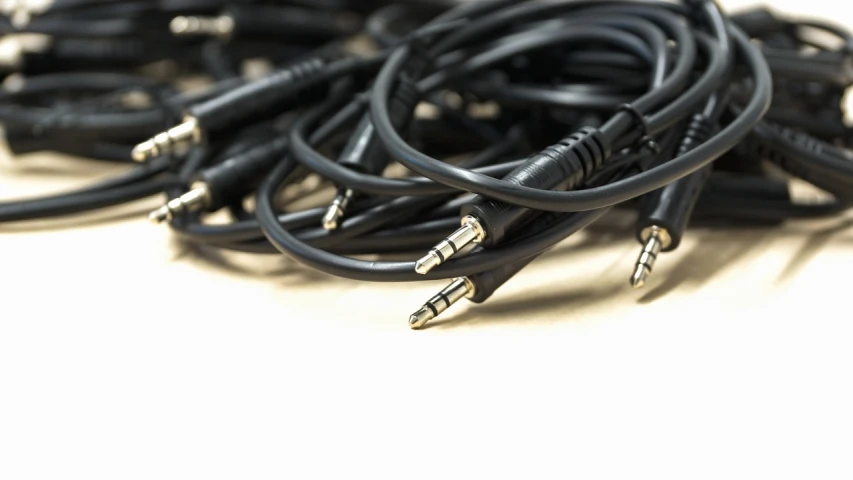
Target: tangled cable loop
[(474, 141)]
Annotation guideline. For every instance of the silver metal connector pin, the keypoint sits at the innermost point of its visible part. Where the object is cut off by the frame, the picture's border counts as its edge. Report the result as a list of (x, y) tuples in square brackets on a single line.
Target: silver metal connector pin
[(338, 210), (656, 239), (188, 26), (471, 232), (192, 201), (184, 135), (435, 306)]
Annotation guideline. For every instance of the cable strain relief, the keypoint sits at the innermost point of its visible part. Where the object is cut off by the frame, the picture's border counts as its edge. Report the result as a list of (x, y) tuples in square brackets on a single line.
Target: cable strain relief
[(580, 155), (305, 73), (403, 102), (699, 130)]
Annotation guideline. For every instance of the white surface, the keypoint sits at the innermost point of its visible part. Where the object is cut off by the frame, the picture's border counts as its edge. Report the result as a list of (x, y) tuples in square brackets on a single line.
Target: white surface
[(126, 355)]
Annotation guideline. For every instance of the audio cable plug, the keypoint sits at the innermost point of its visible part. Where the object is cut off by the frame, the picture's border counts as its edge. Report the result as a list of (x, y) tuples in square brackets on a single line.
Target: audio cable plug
[(174, 140), (226, 182), (338, 208), (268, 22), (189, 26), (667, 211), (654, 239), (246, 104), (487, 222), (365, 153), (477, 288)]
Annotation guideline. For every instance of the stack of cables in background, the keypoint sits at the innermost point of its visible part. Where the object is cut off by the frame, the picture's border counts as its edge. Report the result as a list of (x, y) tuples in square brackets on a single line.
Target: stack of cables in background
[(465, 139)]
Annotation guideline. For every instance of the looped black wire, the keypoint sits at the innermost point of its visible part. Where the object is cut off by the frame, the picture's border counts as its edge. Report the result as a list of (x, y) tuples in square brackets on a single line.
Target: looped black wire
[(420, 39)]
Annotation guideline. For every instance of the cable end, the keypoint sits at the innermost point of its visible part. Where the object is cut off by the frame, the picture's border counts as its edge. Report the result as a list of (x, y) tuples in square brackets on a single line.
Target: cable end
[(435, 306), (187, 26), (427, 263), (194, 200), (337, 210), (162, 214), (470, 232), (180, 26), (144, 151), (656, 238), (176, 138), (641, 274), (420, 318), (332, 218)]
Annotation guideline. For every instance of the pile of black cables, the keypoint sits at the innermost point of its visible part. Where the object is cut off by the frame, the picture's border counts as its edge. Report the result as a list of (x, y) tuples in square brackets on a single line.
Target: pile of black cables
[(471, 138)]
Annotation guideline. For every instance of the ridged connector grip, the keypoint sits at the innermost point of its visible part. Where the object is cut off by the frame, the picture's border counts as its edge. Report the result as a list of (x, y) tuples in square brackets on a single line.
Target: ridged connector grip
[(365, 152), (261, 99), (232, 179), (672, 206), (564, 166)]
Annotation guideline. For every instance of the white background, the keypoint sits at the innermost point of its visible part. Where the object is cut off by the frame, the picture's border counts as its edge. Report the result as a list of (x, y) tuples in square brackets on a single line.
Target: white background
[(126, 355)]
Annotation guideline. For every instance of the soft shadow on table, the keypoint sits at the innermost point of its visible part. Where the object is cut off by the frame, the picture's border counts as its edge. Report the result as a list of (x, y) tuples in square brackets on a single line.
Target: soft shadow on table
[(713, 252), (813, 246), (83, 173), (129, 212), (284, 271)]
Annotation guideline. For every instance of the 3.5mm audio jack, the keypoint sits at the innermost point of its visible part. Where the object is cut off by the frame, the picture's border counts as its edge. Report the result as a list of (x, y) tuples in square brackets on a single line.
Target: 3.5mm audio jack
[(186, 134), (238, 107), (185, 26), (435, 306), (476, 288), (487, 222), (471, 232), (226, 182), (338, 208), (655, 239), (666, 212), (196, 199)]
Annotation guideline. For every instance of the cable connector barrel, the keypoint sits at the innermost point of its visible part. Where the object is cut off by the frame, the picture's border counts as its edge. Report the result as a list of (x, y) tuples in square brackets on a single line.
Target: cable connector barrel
[(365, 152), (470, 233), (226, 182), (656, 239), (477, 288), (564, 166), (195, 200), (435, 306), (173, 140), (192, 26), (337, 210), (667, 211)]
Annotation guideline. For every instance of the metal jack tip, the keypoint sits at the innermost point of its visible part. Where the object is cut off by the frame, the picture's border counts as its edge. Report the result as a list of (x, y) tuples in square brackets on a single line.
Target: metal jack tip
[(192, 201), (435, 306), (471, 232), (186, 134), (186, 26), (337, 210), (655, 238)]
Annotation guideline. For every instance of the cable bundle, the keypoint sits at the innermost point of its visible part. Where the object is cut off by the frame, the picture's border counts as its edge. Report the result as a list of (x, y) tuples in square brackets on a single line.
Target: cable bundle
[(517, 123)]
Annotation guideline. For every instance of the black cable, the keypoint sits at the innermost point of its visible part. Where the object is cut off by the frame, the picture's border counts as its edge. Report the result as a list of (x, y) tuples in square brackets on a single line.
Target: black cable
[(508, 124)]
